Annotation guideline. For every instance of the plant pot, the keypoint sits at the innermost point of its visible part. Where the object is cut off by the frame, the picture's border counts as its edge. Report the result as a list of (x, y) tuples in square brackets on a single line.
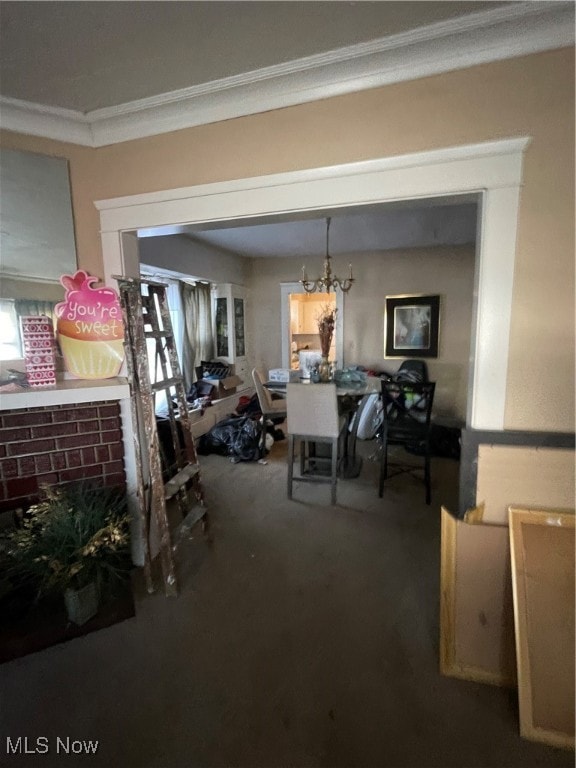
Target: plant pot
[(81, 604)]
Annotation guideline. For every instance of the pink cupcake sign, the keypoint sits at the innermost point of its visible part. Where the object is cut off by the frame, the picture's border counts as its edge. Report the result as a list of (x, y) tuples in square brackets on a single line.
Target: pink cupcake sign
[(90, 328)]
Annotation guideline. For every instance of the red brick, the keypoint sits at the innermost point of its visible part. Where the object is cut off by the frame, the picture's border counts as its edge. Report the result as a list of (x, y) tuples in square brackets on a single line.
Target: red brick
[(103, 453), (48, 479), (14, 435), (88, 456), (113, 467), (21, 486), (31, 447), (117, 480), (9, 468), (73, 458), (26, 466), (77, 413), (91, 425), (107, 424), (54, 430), (110, 409), (2, 451), (77, 441), (26, 418), (80, 473), (114, 436), (116, 451), (43, 463), (58, 460)]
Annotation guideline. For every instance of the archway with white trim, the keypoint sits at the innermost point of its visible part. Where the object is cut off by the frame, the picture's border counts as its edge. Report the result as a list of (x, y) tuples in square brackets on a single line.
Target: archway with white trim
[(492, 169)]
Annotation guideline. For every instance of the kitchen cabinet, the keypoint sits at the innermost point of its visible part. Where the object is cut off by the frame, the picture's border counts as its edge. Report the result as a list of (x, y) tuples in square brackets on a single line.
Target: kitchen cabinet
[(304, 312)]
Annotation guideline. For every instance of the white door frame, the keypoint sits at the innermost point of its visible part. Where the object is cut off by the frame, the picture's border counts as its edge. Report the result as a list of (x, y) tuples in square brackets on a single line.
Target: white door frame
[(285, 290), (493, 169)]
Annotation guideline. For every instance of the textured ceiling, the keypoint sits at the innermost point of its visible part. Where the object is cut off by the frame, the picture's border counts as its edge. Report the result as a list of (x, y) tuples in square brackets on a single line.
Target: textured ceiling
[(412, 224), (89, 55)]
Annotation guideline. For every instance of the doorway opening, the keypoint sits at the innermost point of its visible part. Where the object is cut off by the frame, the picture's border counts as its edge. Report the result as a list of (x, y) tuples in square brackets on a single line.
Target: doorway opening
[(304, 339), (493, 168)]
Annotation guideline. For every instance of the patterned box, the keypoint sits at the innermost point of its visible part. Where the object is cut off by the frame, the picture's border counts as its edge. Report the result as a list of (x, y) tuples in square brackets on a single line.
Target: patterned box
[(38, 341)]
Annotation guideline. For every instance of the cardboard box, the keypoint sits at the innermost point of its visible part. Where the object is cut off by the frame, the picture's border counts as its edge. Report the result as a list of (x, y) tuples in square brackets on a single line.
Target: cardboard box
[(283, 375), (224, 387)]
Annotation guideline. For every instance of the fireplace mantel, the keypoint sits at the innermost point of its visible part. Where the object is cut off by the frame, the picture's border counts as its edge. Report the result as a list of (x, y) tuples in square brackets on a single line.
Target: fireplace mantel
[(66, 392)]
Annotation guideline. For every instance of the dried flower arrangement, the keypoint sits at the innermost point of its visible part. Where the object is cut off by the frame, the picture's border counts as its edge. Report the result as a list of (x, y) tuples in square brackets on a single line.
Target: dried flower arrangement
[(326, 323)]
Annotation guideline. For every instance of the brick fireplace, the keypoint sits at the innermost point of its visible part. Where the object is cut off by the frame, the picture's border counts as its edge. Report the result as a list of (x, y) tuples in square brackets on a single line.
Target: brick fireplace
[(56, 444), (76, 430)]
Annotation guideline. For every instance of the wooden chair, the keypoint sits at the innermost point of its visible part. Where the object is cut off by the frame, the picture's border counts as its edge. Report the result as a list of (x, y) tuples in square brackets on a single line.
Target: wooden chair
[(406, 410), (270, 408), (313, 419)]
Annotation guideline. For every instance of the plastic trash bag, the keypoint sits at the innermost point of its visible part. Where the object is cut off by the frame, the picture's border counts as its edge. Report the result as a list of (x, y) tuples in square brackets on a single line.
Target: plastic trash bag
[(237, 437)]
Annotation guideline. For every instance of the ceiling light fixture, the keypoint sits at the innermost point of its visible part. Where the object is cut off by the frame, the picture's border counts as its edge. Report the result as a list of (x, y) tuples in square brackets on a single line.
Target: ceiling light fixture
[(327, 282)]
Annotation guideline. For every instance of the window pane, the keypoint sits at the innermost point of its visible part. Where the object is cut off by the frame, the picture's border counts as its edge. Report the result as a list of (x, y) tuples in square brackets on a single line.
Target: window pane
[(10, 345)]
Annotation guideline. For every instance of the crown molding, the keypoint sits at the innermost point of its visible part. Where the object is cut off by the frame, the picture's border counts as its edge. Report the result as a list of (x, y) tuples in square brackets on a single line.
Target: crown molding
[(501, 33), (48, 122)]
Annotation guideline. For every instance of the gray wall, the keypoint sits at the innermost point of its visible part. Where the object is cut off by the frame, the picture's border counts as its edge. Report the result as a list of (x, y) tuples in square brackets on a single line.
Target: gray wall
[(182, 254)]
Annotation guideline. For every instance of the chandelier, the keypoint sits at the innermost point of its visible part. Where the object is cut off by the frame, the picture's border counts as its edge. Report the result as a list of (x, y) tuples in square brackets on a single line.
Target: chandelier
[(328, 282)]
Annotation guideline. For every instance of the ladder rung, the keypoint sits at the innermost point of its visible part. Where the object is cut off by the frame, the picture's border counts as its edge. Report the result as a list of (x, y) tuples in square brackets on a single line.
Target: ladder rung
[(173, 485), (158, 334), (166, 384), (193, 517)]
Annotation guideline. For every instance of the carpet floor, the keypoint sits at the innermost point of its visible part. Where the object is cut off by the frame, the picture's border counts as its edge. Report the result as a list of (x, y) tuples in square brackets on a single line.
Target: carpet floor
[(303, 636)]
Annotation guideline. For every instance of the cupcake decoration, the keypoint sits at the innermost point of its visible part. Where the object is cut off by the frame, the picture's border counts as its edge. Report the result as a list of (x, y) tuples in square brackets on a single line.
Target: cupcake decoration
[(90, 328)]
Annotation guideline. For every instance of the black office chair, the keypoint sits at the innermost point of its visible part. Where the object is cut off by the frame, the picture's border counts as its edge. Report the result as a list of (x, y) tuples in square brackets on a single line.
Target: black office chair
[(412, 370), (406, 409)]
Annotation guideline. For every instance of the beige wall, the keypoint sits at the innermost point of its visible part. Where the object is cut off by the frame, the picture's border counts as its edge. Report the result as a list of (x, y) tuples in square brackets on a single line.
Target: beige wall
[(528, 96), (448, 272), (181, 254)]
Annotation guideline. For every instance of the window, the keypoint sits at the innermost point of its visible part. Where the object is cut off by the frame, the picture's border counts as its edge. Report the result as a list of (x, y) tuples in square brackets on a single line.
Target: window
[(176, 319), (10, 343), (11, 310)]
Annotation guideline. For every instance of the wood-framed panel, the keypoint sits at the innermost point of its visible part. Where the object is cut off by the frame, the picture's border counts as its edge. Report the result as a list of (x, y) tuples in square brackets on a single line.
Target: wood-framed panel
[(542, 552), (477, 607), (476, 611)]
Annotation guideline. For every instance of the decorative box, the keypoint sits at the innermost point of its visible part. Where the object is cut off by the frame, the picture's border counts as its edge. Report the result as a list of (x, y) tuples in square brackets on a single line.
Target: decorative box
[(39, 357)]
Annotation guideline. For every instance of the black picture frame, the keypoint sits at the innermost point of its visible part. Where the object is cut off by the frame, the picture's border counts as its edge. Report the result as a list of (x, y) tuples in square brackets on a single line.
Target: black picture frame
[(411, 326)]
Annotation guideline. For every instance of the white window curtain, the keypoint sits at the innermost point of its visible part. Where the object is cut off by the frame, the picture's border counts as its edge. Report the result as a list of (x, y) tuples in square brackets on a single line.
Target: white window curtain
[(198, 336)]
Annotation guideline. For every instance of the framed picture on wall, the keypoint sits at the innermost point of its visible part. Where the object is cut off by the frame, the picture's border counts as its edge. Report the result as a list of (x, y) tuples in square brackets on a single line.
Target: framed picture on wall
[(411, 326)]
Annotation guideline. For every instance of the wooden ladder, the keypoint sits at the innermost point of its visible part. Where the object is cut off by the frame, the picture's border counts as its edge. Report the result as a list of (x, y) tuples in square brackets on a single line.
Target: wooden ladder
[(149, 337)]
